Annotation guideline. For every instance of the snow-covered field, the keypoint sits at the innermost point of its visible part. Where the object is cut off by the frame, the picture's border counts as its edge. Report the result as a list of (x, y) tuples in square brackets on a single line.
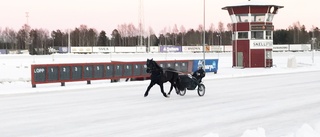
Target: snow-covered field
[(280, 101)]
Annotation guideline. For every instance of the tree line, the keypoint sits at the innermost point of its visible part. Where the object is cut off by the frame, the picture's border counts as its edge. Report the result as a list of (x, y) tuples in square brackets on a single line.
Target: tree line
[(38, 41)]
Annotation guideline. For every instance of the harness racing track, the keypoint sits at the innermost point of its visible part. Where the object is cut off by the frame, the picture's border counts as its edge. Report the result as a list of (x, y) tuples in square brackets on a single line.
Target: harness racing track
[(279, 103)]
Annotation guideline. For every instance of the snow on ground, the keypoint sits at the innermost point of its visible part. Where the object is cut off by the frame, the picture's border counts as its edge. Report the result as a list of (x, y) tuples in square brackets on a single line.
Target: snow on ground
[(251, 102)]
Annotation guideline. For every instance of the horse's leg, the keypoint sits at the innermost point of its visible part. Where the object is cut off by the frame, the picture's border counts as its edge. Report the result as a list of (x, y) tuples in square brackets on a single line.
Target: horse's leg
[(175, 83), (171, 87), (175, 87), (149, 87), (162, 91)]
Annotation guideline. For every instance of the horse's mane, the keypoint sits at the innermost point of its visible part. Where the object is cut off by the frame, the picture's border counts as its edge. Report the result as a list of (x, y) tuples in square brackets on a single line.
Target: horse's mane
[(156, 64)]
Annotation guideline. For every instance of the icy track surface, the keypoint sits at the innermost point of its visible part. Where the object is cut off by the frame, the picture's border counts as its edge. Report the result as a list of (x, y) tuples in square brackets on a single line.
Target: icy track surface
[(279, 103)]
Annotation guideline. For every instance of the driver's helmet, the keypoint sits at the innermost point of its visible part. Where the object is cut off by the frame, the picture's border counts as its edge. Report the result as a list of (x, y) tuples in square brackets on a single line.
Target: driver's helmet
[(200, 66)]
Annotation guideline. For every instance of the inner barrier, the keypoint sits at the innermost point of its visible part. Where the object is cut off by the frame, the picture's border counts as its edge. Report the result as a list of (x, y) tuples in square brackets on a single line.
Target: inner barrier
[(71, 72)]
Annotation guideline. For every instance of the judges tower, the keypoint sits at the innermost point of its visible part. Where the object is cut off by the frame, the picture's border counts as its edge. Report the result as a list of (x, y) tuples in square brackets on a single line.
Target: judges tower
[(252, 38)]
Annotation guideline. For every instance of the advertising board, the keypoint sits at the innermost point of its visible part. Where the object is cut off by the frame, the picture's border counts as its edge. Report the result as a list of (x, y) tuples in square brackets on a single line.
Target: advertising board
[(102, 49), (261, 44), (170, 48), (211, 65), (81, 49)]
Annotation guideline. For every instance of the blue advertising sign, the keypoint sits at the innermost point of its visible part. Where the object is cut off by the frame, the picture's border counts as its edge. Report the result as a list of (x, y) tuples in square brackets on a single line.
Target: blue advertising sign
[(63, 49), (211, 65), (170, 48), (3, 51)]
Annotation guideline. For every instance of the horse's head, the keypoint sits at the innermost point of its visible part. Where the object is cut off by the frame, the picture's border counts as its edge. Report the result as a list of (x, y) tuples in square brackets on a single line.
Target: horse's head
[(150, 65)]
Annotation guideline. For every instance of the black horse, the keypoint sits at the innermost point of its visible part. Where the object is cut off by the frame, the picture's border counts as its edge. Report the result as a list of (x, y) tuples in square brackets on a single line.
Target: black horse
[(161, 75)]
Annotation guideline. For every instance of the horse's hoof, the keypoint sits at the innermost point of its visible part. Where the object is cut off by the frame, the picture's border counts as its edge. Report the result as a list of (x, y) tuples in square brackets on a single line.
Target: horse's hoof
[(145, 95)]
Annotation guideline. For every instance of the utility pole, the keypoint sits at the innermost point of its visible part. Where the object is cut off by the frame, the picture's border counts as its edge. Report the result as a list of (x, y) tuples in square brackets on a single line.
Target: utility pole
[(27, 40), (27, 16), (141, 22), (204, 35), (313, 43)]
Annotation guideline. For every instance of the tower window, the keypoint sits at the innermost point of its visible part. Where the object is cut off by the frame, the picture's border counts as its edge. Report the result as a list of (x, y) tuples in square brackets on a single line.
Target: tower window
[(242, 35), (256, 34), (268, 34), (258, 18), (242, 18)]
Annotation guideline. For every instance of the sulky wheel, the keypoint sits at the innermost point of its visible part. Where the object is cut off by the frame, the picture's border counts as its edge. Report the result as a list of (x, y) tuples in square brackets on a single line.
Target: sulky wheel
[(183, 92), (201, 90)]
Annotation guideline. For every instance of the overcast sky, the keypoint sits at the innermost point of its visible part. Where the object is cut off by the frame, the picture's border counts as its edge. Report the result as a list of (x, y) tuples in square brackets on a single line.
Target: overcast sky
[(158, 14)]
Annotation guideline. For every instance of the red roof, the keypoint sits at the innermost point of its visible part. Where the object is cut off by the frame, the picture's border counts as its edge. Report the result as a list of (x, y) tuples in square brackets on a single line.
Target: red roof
[(251, 3)]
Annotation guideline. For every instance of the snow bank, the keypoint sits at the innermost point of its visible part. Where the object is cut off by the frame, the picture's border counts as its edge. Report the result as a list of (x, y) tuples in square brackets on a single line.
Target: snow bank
[(305, 131), (211, 135), (259, 132)]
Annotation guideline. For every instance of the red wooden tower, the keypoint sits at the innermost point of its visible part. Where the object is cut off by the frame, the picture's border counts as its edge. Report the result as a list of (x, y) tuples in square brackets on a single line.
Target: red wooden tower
[(252, 38)]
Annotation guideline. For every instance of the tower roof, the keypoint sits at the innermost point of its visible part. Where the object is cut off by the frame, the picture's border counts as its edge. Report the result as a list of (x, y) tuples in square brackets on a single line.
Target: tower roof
[(251, 3)]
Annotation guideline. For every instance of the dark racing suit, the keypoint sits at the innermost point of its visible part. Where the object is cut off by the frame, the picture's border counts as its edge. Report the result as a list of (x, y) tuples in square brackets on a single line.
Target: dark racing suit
[(199, 74)]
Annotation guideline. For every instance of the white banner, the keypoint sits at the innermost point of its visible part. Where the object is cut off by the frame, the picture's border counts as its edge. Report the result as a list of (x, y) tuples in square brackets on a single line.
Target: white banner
[(280, 47), (125, 49), (154, 49), (306, 47), (81, 49), (217, 48), (228, 48), (102, 49), (192, 49), (299, 47), (261, 44), (141, 49)]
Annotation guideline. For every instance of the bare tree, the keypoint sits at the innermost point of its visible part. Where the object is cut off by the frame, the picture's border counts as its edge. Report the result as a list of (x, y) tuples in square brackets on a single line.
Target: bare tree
[(43, 37), (200, 33), (92, 37), (9, 38), (75, 37), (221, 27), (122, 29), (82, 37), (191, 37), (141, 34), (162, 37), (221, 30), (34, 47), (132, 32), (23, 38), (175, 32), (152, 38), (183, 32), (228, 34), (211, 31)]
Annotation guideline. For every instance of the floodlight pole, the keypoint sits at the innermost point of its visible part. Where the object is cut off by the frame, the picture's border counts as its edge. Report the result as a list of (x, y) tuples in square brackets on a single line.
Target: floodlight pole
[(312, 46), (69, 44), (204, 34)]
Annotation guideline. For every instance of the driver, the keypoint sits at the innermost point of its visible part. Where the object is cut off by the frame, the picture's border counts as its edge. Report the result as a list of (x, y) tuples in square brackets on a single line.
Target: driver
[(199, 74)]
